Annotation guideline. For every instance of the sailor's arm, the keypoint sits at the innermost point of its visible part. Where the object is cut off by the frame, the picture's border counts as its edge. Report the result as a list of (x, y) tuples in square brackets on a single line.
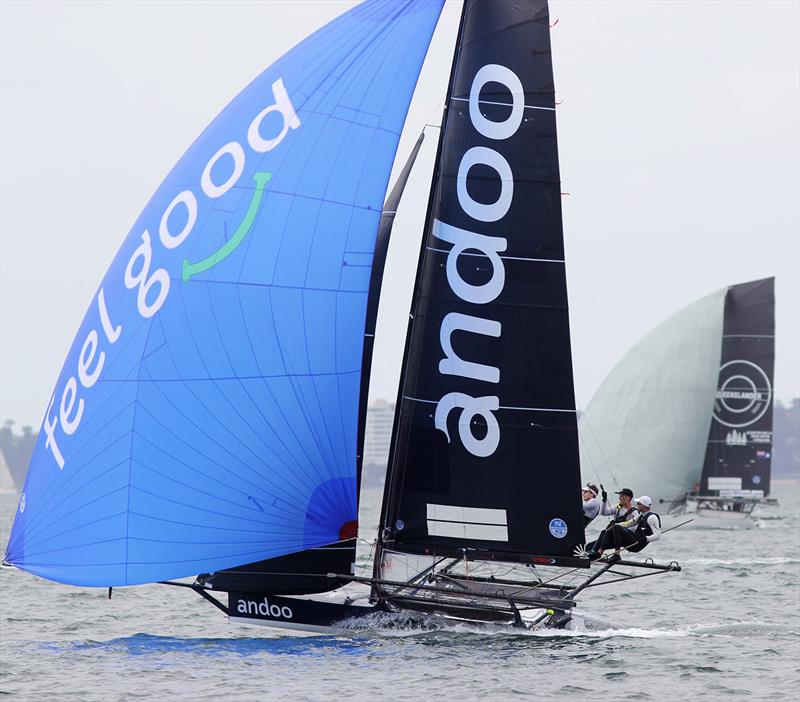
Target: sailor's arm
[(591, 508), (632, 520), (652, 522), (607, 510)]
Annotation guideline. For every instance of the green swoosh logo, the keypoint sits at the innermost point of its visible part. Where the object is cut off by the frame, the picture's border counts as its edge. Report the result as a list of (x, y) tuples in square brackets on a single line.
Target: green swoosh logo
[(189, 269)]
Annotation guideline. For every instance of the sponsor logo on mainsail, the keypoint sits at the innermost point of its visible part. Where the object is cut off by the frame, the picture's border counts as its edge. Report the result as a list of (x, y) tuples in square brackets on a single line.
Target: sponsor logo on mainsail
[(744, 394), (152, 287), (558, 528), (463, 240), (736, 438)]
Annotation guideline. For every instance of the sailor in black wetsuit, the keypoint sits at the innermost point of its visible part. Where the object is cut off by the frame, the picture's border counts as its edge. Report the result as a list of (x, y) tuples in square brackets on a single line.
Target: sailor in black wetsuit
[(624, 511), (647, 528)]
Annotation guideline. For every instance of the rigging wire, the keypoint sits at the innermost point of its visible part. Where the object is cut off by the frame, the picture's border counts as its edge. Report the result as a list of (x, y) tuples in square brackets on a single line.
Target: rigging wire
[(440, 107), (585, 419), (370, 555)]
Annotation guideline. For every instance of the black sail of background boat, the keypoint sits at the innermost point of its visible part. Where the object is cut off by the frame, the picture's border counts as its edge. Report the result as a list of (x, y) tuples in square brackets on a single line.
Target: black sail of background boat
[(209, 421), (686, 415), (738, 457)]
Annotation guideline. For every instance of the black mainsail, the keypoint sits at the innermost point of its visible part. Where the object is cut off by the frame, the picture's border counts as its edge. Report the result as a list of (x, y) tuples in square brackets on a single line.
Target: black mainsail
[(484, 458), (739, 451)]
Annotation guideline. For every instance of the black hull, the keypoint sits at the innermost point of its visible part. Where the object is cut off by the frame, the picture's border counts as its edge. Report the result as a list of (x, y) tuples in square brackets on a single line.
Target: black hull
[(291, 612), (318, 616)]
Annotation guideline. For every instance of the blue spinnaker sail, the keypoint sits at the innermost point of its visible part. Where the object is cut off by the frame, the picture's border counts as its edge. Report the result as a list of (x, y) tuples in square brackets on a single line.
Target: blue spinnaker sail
[(206, 415)]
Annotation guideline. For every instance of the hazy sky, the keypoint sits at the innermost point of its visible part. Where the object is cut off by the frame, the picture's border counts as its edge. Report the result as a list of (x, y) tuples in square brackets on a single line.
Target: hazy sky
[(678, 130)]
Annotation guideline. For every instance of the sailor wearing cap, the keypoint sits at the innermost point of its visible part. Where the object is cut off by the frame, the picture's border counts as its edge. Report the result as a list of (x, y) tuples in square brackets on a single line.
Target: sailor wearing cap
[(634, 534), (623, 510), (647, 526), (591, 505)]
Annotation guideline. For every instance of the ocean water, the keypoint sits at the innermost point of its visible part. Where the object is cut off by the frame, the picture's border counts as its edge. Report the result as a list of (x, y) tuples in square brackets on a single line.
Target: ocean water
[(726, 627)]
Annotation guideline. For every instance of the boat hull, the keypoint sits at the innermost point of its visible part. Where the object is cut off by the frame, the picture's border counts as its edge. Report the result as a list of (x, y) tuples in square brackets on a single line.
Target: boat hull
[(709, 512), (321, 617), (296, 613), (717, 519)]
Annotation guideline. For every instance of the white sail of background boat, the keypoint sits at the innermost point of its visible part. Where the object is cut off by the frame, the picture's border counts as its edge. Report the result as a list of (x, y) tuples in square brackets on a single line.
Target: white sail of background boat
[(209, 419), (686, 415)]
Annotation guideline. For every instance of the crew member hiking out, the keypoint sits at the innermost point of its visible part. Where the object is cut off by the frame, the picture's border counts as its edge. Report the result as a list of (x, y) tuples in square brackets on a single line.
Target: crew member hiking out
[(591, 505), (635, 533), (623, 511), (647, 528)]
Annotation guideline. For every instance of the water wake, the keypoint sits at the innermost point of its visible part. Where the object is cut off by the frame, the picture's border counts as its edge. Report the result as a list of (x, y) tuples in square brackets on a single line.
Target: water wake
[(742, 561), (401, 624), (582, 626)]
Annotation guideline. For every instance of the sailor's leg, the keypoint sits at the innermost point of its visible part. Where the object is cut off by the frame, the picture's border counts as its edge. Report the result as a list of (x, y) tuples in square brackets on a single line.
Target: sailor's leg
[(595, 549), (597, 546), (622, 538), (641, 542)]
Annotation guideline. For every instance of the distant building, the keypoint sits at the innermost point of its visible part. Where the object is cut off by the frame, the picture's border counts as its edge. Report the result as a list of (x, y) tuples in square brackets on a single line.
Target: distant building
[(6, 481), (17, 450), (378, 433)]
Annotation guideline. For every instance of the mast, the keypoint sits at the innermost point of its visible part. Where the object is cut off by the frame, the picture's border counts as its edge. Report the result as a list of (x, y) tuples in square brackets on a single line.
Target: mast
[(738, 454), (484, 455), (390, 485), (373, 298)]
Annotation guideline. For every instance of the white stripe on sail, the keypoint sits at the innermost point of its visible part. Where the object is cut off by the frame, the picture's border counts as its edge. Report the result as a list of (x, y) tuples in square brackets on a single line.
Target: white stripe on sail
[(457, 522), (456, 530), (720, 483), (480, 515)]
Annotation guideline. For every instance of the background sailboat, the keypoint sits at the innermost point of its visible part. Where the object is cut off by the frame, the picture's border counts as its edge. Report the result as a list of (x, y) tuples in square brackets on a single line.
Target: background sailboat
[(688, 410)]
